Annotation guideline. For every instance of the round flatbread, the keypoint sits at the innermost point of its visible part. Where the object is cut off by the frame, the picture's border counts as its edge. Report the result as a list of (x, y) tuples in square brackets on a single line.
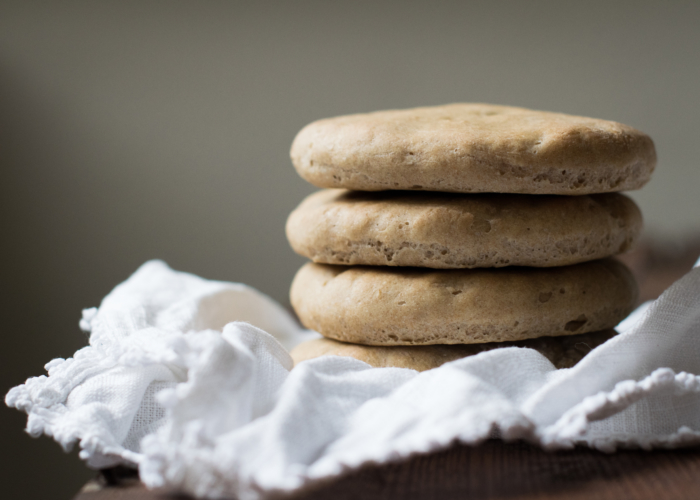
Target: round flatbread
[(414, 306), (474, 148), (563, 352), (447, 230)]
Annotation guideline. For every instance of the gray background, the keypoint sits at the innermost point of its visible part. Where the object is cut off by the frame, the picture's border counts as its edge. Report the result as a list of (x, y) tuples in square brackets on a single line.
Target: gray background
[(139, 130)]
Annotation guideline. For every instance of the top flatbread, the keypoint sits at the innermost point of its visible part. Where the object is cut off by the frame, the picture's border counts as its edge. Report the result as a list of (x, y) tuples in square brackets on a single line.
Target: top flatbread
[(473, 148)]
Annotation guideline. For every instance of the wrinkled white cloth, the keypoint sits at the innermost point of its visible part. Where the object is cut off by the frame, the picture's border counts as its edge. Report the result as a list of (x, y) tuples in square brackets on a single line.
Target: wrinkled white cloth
[(190, 380)]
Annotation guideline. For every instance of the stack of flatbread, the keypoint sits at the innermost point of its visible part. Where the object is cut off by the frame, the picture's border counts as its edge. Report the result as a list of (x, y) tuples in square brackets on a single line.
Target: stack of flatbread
[(450, 230)]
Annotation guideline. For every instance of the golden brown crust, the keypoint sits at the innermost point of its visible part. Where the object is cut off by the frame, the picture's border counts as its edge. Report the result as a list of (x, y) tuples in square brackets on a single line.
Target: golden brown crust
[(474, 148), (413, 306), (563, 352), (443, 231)]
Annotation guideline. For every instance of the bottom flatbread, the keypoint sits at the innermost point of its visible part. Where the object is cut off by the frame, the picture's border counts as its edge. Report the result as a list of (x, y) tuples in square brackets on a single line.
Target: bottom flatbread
[(563, 352)]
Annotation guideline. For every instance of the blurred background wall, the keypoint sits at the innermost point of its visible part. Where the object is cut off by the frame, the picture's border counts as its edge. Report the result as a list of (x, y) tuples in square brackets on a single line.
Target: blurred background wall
[(133, 130)]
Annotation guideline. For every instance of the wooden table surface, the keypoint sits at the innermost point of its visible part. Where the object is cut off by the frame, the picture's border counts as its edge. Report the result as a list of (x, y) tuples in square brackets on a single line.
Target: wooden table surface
[(492, 470), (513, 471)]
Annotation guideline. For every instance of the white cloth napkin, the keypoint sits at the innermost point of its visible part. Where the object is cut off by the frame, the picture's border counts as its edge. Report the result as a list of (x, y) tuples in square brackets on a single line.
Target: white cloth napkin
[(178, 381)]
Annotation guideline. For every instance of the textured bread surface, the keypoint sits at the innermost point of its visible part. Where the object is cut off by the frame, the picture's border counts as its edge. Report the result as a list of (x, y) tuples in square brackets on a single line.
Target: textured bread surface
[(473, 148), (448, 230), (563, 352), (414, 306)]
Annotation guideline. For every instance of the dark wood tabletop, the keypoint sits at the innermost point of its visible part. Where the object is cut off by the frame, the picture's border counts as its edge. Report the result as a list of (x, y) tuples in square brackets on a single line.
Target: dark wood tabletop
[(498, 470), (492, 470)]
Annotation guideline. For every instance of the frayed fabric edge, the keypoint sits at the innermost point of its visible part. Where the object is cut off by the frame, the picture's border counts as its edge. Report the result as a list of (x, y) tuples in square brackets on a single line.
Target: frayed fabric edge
[(49, 421), (572, 426)]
